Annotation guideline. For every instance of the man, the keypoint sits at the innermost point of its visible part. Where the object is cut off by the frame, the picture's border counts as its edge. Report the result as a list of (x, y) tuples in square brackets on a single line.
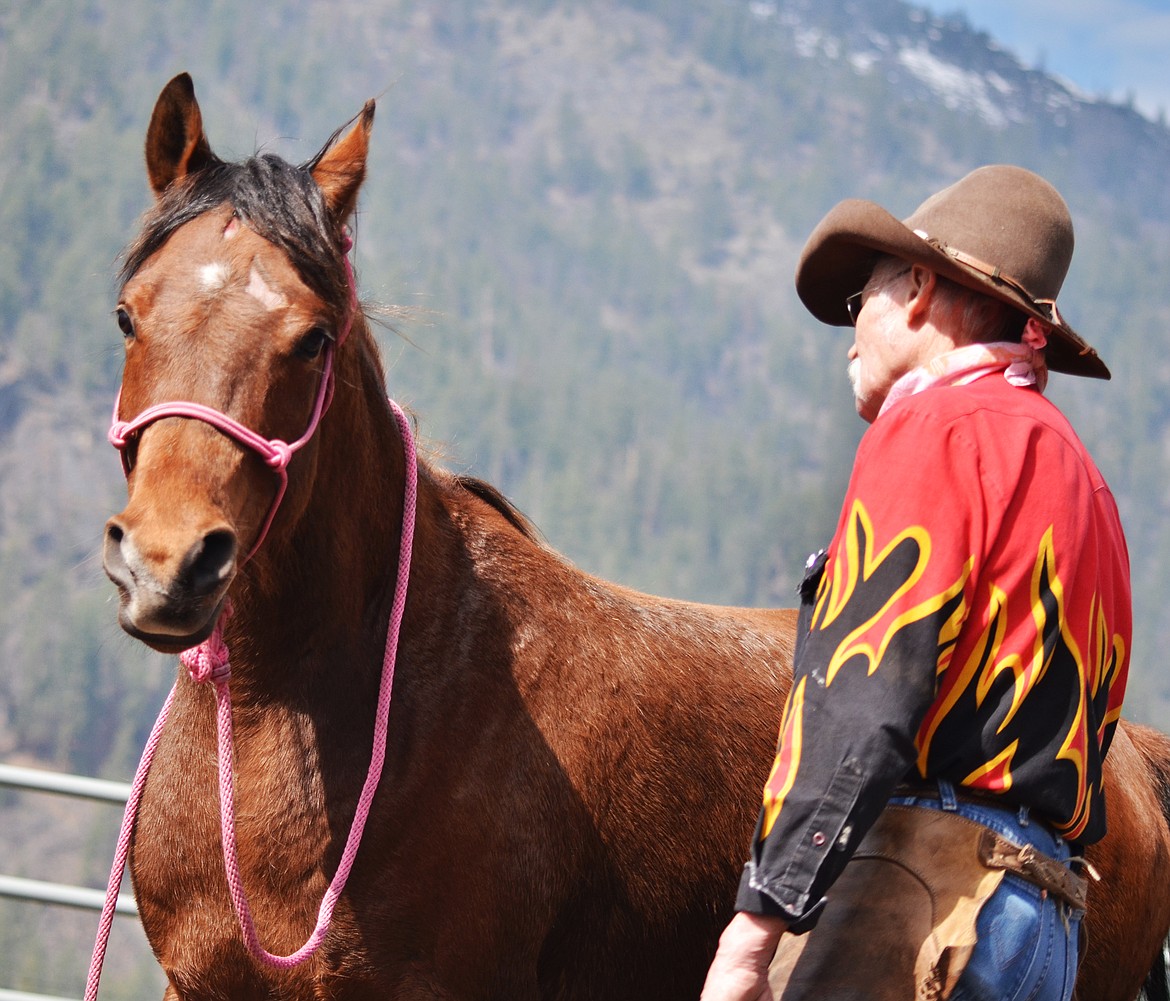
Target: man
[(964, 647)]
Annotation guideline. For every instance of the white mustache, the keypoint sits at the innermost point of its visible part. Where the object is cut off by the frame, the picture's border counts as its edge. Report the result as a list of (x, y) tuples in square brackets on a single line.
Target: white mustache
[(854, 371)]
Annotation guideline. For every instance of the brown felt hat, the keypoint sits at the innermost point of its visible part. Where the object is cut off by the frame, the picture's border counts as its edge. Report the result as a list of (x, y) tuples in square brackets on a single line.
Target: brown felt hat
[(1001, 230)]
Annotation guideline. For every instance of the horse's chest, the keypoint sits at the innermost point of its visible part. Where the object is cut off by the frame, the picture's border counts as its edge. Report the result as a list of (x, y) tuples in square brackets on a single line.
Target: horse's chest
[(283, 840)]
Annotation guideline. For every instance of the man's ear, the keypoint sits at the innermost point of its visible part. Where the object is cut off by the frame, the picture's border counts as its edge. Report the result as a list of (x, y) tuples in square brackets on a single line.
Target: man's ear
[(921, 288)]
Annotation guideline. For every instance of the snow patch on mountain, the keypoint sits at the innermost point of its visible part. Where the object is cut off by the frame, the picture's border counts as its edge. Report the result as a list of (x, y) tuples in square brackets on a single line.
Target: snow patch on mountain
[(983, 94)]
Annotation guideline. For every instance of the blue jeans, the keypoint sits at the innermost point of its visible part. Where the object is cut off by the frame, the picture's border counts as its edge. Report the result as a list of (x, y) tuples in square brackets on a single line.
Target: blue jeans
[(1027, 948)]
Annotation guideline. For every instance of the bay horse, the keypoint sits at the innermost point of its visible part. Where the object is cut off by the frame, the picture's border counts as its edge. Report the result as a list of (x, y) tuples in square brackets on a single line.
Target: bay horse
[(572, 769)]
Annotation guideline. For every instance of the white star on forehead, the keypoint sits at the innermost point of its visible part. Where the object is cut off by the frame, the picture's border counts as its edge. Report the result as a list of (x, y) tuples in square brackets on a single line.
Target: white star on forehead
[(213, 277)]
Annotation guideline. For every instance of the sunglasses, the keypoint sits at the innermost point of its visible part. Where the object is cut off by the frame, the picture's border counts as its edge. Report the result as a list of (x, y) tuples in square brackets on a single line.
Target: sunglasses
[(853, 306), (854, 302)]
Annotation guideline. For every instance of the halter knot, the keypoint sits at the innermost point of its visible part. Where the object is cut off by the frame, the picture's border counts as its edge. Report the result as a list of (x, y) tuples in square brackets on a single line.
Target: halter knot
[(207, 662), (281, 454), (117, 435), (211, 659)]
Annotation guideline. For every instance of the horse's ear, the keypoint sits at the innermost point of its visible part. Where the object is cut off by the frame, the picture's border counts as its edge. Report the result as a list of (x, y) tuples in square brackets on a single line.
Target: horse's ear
[(175, 143), (342, 167)]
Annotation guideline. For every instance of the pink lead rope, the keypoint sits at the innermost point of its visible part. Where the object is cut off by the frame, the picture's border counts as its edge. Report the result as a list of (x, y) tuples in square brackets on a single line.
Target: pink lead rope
[(210, 662)]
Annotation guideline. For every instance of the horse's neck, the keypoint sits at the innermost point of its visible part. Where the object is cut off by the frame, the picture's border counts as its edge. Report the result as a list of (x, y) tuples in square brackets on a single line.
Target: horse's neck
[(312, 612), (319, 595)]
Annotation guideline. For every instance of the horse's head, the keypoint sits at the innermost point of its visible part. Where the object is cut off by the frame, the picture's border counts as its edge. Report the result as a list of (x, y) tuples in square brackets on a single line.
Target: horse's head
[(233, 300)]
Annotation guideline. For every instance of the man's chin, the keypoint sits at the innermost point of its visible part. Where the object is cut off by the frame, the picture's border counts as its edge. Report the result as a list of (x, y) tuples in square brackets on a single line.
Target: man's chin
[(867, 409)]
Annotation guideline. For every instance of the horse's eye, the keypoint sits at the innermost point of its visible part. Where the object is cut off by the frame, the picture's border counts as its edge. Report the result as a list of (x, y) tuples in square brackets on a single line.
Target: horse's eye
[(311, 345), (125, 323)]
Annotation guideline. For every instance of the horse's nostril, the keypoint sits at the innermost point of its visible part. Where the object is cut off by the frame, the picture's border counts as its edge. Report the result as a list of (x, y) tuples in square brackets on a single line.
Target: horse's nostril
[(210, 561), (113, 558)]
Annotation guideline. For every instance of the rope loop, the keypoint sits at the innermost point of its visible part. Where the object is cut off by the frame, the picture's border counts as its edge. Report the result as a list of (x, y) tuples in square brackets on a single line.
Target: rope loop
[(210, 662), (281, 454)]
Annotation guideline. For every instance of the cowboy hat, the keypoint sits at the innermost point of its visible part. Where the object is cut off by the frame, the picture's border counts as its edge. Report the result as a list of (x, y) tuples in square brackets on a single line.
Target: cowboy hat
[(1001, 230)]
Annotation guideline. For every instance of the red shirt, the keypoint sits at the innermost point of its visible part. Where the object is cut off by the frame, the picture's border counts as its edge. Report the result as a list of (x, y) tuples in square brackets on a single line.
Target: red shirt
[(973, 623)]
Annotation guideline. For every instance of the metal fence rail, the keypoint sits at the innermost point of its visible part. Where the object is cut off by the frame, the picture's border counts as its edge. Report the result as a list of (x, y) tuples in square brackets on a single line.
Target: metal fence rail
[(102, 790), (67, 896), (25, 996), (69, 785)]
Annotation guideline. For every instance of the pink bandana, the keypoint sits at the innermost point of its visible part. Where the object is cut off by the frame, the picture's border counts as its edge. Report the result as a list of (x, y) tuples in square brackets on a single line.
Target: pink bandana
[(1022, 365)]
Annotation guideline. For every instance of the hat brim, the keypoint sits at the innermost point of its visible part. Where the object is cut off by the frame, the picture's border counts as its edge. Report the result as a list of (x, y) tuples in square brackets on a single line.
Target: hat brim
[(839, 258)]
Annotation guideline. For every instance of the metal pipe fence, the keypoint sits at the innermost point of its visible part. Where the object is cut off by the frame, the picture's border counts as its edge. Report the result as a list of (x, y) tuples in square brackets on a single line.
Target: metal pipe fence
[(41, 891), (68, 785), (6, 995)]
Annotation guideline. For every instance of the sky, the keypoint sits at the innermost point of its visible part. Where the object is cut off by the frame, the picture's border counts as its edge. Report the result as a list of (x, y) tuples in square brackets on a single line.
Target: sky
[(1113, 48)]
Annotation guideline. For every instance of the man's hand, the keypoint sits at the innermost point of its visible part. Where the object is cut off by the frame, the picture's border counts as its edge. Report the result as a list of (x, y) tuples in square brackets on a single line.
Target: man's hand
[(739, 971)]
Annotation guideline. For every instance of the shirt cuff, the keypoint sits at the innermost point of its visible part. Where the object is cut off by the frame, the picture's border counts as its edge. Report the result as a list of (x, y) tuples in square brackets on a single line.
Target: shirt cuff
[(756, 901)]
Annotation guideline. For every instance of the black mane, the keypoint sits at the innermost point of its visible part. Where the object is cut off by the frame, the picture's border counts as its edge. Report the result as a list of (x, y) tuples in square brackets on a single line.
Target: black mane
[(281, 202), (492, 496)]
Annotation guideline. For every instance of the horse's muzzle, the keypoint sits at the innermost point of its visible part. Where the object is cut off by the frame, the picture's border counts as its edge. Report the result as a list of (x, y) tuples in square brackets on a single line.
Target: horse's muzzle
[(170, 611)]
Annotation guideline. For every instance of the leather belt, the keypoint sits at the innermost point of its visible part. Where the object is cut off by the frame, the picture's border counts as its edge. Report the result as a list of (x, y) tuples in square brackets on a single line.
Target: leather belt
[(964, 794)]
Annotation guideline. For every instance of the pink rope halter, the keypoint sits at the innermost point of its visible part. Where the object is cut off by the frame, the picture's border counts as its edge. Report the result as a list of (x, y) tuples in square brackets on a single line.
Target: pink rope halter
[(210, 662), (276, 453)]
